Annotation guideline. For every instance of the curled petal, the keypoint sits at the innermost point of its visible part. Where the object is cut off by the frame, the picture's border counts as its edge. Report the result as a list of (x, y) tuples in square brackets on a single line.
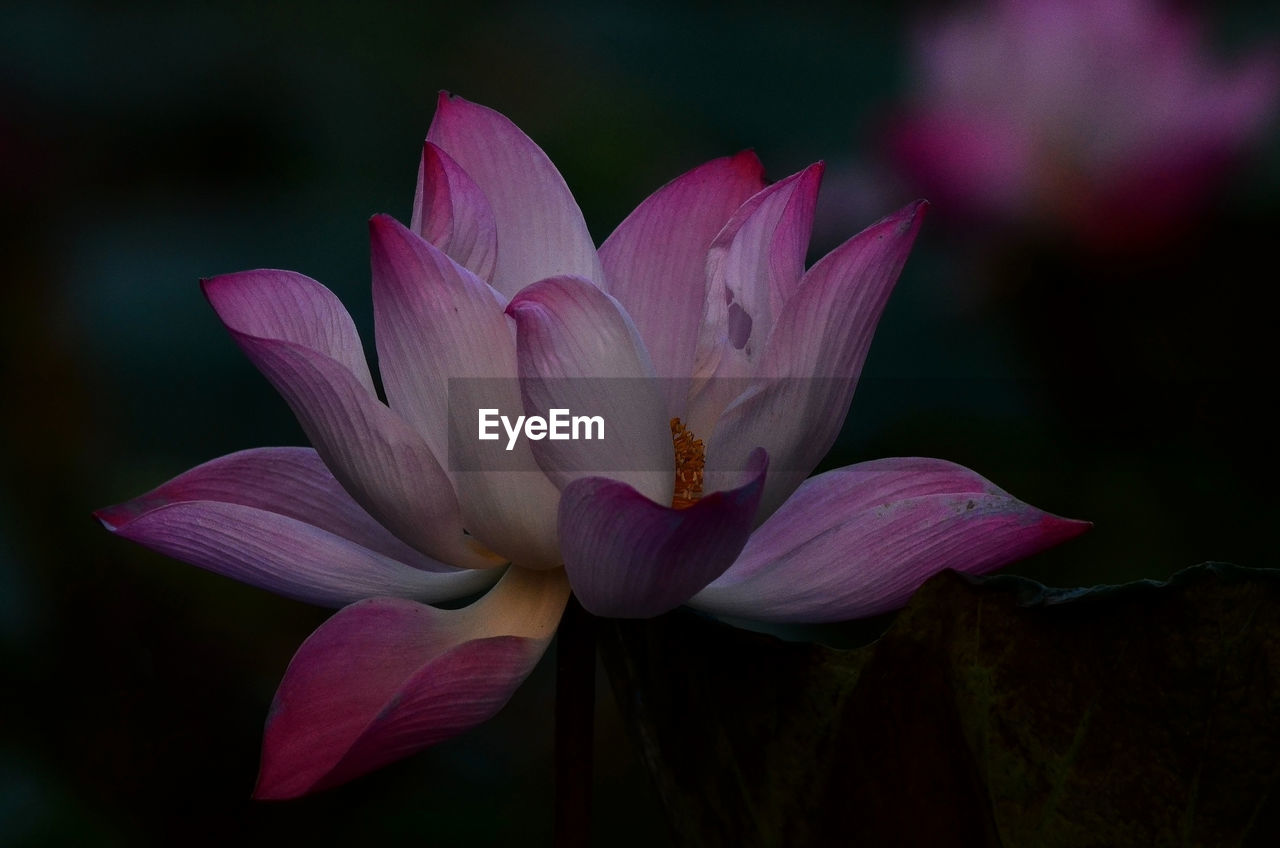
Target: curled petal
[(290, 328), (656, 261), (541, 232), (858, 541), (385, 678), (451, 212), (628, 557), (578, 351), (806, 377)]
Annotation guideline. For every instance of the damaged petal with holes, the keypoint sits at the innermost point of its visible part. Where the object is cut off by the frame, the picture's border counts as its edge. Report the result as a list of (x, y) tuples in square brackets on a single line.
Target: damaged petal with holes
[(722, 368)]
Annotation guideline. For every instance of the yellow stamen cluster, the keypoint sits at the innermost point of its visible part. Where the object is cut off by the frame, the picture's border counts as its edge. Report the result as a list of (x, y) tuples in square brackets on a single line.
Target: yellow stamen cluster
[(691, 456)]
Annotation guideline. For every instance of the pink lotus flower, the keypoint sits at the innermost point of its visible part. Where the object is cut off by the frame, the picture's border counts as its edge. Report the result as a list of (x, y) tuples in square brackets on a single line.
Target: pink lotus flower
[(497, 277), (1098, 115)]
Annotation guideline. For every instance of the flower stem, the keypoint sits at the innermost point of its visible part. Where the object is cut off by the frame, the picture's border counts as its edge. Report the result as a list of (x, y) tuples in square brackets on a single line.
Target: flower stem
[(575, 725)]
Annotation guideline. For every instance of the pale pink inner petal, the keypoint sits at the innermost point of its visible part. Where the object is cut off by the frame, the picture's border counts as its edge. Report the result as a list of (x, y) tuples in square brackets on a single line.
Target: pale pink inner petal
[(806, 377), (447, 352), (451, 212), (753, 267), (541, 232), (656, 261), (579, 352)]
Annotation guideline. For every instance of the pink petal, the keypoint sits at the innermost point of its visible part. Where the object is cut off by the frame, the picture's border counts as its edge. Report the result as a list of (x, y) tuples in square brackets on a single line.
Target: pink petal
[(296, 333), (753, 268), (628, 557), (433, 320), (291, 482), (437, 325), (275, 518), (579, 351), (385, 678), (286, 556), (858, 541), (451, 212), (291, 307), (656, 260), (540, 228), (810, 366)]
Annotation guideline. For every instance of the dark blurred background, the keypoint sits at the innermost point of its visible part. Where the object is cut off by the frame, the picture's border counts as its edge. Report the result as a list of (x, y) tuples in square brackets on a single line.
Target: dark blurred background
[(144, 145)]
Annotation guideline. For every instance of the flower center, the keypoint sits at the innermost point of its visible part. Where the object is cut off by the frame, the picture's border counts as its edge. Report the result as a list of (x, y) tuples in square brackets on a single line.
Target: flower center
[(691, 456)]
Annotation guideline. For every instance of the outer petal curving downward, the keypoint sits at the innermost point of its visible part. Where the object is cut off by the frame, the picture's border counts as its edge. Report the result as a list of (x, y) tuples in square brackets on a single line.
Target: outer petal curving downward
[(656, 261), (304, 342), (810, 367), (385, 678), (277, 519), (858, 541), (540, 228), (628, 557)]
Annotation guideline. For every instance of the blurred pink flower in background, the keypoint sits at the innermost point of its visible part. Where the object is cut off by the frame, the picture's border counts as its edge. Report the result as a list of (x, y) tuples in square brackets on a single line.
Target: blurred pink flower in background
[(1103, 117)]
